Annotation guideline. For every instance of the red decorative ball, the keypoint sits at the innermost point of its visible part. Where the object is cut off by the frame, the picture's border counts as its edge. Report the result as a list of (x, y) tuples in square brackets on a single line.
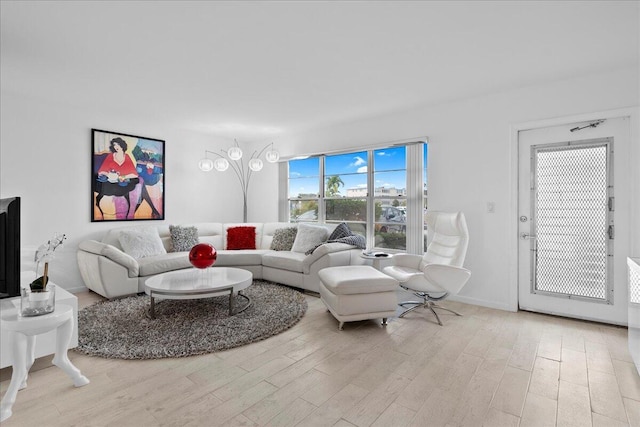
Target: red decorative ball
[(203, 255)]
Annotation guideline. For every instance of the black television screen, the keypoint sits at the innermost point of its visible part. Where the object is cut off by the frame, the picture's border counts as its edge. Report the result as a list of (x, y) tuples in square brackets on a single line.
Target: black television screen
[(9, 247)]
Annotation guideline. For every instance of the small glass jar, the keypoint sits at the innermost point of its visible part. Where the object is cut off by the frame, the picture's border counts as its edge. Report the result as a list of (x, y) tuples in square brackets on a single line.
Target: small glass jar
[(37, 303)]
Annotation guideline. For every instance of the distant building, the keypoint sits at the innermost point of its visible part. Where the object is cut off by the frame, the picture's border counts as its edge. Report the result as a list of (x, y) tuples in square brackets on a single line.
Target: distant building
[(307, 195), (378, 192)]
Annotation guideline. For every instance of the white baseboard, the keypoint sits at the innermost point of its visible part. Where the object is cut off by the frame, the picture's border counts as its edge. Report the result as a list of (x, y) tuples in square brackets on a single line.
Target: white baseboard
[(77, 289), (481, 302)]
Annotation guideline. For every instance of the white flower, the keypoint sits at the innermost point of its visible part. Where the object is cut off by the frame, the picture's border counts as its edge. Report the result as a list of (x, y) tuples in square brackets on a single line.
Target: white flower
[(44, 253)]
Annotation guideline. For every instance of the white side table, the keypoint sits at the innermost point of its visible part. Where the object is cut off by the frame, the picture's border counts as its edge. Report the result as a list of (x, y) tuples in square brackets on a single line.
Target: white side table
[(46, 343), (376, 259), (23, 331)]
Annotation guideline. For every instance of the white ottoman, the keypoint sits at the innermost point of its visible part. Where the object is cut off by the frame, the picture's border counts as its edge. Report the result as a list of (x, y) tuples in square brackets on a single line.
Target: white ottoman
[(358, 292)]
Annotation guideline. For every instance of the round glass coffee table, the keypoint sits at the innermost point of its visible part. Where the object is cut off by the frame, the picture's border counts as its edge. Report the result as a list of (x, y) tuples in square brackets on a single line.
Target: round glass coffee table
[(195, 284)]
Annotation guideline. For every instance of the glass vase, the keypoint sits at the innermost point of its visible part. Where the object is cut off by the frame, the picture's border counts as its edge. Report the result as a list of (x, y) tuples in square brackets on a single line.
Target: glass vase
[(37, 303)]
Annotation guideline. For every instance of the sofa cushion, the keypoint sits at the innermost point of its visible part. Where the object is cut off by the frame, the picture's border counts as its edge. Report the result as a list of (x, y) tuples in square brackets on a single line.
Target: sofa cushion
[(163, 263), (183, 238), (239, 257), (141, 242), (309, 236), (284, 260), (283, 239)]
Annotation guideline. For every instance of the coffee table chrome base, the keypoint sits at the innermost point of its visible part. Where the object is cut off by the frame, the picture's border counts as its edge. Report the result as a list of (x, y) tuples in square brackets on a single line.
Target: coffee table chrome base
[(240, 294), (153, 294)]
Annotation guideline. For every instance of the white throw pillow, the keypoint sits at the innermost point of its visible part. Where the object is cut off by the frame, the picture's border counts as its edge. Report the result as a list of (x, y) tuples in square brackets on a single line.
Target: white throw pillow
[(308, 237), (141, 242)]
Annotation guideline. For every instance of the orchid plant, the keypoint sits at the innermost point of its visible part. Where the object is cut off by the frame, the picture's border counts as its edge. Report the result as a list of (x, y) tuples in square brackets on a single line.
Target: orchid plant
[(44, 253)]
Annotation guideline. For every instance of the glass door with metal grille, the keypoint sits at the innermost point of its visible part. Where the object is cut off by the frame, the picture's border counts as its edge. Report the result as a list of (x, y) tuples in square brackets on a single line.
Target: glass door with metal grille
[(567, 231), (570, 215)]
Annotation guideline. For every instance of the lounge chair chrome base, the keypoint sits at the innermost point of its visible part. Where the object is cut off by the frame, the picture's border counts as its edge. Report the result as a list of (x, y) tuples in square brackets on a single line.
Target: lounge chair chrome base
[(427, 302)]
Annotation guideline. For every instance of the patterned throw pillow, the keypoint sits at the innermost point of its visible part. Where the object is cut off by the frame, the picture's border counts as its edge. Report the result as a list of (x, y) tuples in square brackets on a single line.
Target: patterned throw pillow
[(283, 239), (243, 237), (183, 238), (342, 230)]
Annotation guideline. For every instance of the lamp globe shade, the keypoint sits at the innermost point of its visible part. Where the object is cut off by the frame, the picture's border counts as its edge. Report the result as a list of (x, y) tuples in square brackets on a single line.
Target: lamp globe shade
[(272, 156), (234, 153), (203, 255), (205, 165), (255, 165), (221, 164)]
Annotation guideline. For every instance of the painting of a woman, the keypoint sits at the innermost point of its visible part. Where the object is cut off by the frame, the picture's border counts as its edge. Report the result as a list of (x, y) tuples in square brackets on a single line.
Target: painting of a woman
[(119, 187), (118, 163)]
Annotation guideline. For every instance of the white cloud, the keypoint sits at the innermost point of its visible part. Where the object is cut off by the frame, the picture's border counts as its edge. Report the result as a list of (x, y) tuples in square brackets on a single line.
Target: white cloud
[(294, 174), (361, 186), (358, 161), (362, 169), (383, 153)]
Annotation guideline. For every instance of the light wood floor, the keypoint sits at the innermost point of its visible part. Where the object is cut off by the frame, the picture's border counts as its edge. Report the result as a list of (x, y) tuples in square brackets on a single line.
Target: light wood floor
[(490, 367)]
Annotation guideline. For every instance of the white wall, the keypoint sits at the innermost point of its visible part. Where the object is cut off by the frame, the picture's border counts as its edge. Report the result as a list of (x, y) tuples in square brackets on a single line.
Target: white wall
[(45, 158), (45, 149), (470, 160)]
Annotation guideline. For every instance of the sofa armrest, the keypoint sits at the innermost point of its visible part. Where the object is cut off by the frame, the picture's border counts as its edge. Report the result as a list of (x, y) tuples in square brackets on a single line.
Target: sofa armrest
[(321, 251), (113, 253)]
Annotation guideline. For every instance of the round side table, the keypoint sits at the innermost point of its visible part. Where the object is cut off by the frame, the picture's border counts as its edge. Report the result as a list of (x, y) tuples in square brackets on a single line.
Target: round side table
[(376, 259), (23, 332)]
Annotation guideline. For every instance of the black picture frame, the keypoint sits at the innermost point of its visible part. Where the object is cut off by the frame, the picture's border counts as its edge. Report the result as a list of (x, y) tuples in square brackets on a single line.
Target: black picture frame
[(127, 177)]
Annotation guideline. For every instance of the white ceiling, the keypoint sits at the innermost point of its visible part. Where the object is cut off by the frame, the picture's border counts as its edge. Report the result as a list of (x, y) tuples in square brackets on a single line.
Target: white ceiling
[(252, 70)]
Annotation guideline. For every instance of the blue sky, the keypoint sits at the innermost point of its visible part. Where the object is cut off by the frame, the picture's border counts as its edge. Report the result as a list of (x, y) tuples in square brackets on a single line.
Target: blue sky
[(390, 170)]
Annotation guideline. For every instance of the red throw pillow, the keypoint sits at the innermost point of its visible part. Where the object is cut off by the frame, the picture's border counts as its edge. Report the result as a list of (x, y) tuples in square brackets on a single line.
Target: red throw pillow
[(241, 238)]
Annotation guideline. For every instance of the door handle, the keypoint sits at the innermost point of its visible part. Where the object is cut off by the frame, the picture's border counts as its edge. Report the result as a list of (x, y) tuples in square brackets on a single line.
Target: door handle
[(526, 236)]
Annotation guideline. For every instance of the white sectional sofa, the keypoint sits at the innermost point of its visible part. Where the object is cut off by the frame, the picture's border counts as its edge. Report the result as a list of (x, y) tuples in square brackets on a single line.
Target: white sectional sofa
[(107, 270)]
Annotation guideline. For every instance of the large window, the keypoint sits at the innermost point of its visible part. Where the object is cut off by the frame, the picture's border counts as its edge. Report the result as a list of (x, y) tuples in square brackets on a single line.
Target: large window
[(345, 190), (390, 197), (304, 189), (365, 189)]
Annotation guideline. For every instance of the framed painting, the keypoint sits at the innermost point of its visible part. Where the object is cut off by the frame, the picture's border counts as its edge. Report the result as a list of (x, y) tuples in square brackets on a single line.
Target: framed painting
[(127, 177)]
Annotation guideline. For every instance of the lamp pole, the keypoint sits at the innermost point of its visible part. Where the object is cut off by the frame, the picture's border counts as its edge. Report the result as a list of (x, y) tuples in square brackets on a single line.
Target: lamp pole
[(223, 162)]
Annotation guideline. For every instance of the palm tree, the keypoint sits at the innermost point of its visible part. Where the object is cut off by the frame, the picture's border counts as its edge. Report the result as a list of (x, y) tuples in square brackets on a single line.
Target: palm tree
[(333, 185)]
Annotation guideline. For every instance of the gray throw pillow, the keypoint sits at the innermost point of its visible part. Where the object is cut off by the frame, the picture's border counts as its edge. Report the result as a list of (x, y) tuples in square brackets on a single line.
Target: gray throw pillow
[(283, 239), (183, 238)]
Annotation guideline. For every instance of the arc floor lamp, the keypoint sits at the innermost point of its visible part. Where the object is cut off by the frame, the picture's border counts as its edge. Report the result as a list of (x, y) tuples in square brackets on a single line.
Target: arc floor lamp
[(233, 158)]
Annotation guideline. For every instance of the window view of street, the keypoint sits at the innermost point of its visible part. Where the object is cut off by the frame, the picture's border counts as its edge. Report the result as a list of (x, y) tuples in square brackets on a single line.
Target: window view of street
[(342, 193)]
